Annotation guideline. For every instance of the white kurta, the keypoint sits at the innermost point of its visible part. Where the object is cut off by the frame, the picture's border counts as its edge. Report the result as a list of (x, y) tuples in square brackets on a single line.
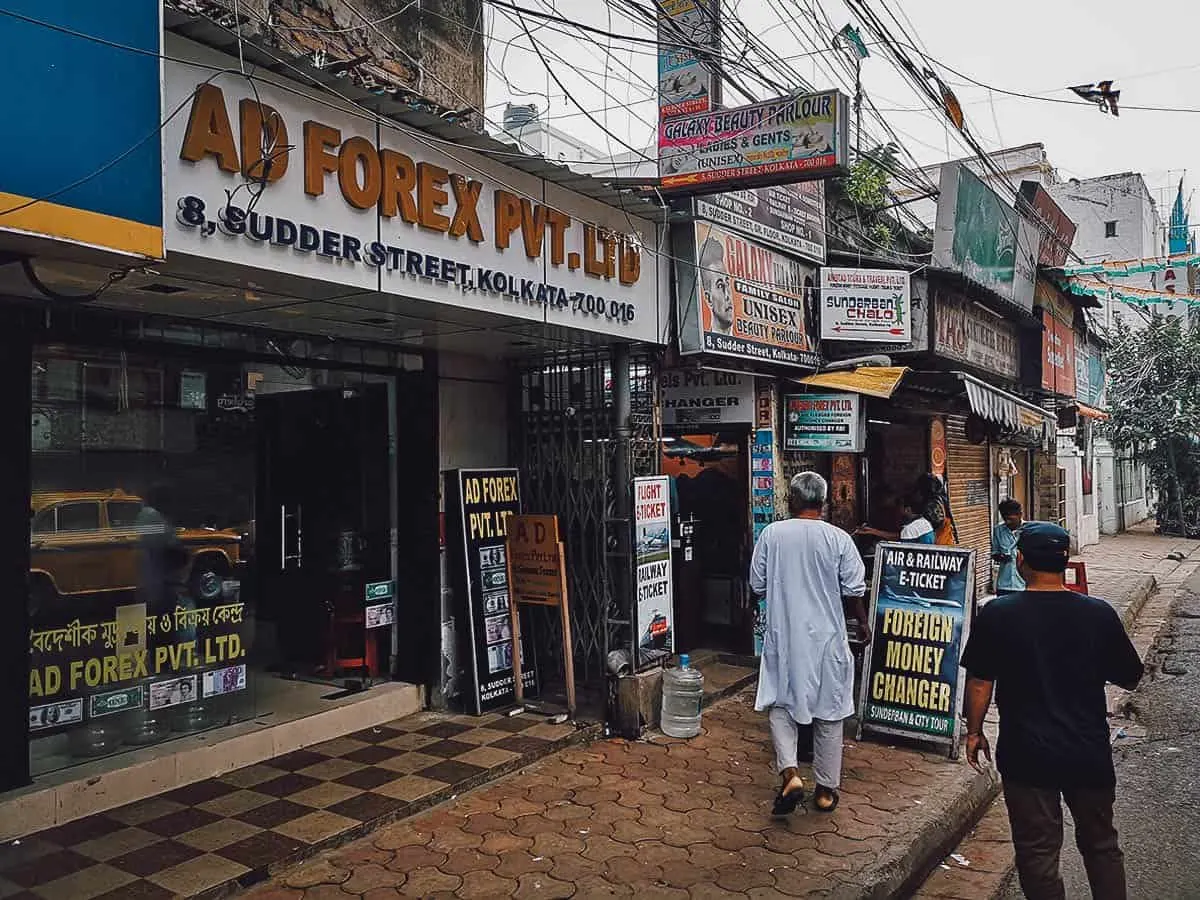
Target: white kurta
[(805, 567)]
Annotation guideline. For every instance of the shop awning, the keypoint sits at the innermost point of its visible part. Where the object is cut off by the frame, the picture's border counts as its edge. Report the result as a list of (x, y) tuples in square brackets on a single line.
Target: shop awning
[(1014, 415), (1005, 409), (1090, 412), (874, 381)]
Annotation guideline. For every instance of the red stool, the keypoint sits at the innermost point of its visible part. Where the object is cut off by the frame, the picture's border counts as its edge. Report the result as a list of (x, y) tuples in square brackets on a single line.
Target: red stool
[(1076, 577)]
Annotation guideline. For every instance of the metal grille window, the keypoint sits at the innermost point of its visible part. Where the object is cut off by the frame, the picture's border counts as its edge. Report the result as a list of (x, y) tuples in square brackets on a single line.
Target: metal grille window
[(566, 446)]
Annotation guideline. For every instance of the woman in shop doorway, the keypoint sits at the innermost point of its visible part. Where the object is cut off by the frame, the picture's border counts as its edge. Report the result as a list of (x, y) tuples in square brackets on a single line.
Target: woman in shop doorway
[(933, 503)]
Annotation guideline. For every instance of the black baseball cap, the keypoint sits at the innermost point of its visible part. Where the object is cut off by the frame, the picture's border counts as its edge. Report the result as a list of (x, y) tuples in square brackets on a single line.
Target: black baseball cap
[(1045, 546)]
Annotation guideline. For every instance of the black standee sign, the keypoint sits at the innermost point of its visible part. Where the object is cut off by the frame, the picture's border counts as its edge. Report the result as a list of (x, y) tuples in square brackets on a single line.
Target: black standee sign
[(479, 505), (921, 601)]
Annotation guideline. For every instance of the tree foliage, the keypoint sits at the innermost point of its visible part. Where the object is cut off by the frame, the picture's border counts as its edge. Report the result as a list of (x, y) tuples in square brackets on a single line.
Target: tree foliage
[(1154, 399)]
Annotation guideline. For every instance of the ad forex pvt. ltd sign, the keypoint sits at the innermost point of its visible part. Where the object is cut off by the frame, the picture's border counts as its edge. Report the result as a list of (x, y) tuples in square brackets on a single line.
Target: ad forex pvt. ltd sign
[(353, 200)]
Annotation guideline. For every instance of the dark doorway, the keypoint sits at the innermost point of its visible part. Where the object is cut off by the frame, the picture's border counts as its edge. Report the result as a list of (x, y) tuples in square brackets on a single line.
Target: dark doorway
[(324, 523), (711, 475)]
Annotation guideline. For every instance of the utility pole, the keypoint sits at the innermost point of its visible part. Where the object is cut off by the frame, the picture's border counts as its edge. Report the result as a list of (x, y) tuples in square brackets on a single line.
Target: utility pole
[(851, 41)]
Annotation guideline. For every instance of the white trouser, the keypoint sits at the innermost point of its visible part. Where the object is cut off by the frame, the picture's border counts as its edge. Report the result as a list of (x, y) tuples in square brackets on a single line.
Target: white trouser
[(827, 746)]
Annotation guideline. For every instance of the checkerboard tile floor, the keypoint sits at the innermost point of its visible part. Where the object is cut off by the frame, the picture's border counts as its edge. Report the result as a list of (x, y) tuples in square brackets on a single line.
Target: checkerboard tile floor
[(209, 836)]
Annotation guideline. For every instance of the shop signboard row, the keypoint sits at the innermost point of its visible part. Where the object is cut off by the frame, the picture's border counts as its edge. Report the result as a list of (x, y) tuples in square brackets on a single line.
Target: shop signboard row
[(968, 333), (794, 138), (142, 658), (746, 301), (824, 423), (866, 305), (787, 217), (479, 506), (686, 85), (1090, 376), (922, 601), (349, 198), (654, 619), (93, 177), (1058, 340), (984, 238), (1057, 231), (706, 397)]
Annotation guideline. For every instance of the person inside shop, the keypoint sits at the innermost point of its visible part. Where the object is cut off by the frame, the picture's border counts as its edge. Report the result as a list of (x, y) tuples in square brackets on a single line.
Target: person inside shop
[(914, 529), (1004, 547), (934, 505), (811, 576)]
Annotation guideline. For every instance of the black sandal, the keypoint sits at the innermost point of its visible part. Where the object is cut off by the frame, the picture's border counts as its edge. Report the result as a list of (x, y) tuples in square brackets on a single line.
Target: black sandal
[(826, 795), (786, 804)]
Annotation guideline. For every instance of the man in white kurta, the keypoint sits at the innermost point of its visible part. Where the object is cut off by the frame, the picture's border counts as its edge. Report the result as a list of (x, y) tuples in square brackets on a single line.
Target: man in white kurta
[(806, 567)]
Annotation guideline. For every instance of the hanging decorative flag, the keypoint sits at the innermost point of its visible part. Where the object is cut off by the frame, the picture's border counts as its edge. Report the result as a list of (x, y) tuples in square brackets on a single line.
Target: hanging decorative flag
[(854, 41)]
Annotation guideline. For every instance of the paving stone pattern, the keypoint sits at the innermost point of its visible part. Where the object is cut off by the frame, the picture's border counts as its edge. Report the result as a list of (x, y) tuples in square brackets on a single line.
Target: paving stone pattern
[(208, 837), (656, 818)]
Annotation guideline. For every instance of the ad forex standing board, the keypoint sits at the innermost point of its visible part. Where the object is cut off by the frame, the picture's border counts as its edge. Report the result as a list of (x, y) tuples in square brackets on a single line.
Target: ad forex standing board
[(655, 613), (479, 505), (921, 602), (749, 302)]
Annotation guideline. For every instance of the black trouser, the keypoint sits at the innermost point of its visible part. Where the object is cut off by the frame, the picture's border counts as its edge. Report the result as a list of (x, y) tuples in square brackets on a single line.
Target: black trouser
[(1035, 816)]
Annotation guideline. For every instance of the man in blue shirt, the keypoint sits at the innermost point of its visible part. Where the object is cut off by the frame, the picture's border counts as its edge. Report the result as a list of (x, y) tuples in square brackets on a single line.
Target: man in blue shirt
[(1004, 547)]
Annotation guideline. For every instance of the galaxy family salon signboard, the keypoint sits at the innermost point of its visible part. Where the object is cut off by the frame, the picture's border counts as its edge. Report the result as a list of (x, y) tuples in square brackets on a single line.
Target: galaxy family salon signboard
[(866, 305), (747, 301), (921, 601), (655, 612), (371, 205), (786, 139), (479, 505)]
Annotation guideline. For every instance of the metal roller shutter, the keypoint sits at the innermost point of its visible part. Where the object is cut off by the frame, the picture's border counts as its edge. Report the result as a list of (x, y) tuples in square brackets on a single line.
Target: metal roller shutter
[(970, 497)]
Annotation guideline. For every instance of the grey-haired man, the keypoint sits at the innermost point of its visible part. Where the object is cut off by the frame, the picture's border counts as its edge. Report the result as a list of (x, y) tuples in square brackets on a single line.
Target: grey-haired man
[(811, 573)]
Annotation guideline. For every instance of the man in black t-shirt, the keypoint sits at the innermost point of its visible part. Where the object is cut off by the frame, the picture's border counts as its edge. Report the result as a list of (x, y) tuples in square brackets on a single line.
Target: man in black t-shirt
[(1049, 652)]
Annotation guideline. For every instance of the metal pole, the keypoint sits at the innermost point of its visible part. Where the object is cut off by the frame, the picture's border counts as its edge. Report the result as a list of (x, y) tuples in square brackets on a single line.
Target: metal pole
[(858, 107), (622, 489)]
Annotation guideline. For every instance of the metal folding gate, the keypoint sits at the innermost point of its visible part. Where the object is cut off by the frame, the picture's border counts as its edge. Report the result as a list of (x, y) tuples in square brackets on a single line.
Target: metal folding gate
[(566, 445)]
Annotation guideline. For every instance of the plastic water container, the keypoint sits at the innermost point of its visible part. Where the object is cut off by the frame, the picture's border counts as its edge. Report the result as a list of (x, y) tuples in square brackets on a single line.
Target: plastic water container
[(683, 691)]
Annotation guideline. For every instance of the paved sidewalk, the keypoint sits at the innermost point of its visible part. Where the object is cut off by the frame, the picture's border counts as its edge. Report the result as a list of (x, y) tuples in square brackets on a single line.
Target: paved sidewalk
[(1124, 568), (1119, 569), (659, 818)]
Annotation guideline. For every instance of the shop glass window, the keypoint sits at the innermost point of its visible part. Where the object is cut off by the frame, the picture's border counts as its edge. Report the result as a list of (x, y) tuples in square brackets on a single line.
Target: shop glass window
[(79, 517), (149, 532)]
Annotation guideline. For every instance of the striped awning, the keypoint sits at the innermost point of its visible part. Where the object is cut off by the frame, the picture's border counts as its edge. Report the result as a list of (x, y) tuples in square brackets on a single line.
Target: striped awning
[(1007, 410)]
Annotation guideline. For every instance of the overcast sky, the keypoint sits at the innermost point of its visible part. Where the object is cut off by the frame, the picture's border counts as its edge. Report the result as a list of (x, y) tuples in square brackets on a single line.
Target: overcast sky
[(1034, 47)]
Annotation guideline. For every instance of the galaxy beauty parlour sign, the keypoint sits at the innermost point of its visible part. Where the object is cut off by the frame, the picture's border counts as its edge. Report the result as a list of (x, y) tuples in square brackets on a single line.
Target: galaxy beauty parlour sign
[(921, 601)]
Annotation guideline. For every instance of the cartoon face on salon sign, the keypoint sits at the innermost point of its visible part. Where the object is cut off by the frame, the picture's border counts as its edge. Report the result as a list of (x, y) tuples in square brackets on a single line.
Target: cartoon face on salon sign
[(361, 203)]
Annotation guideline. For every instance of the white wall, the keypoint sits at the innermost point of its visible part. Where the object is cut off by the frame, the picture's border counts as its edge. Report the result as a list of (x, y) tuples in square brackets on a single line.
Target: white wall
[(472, 412), (1084, 525), (473, 432)]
